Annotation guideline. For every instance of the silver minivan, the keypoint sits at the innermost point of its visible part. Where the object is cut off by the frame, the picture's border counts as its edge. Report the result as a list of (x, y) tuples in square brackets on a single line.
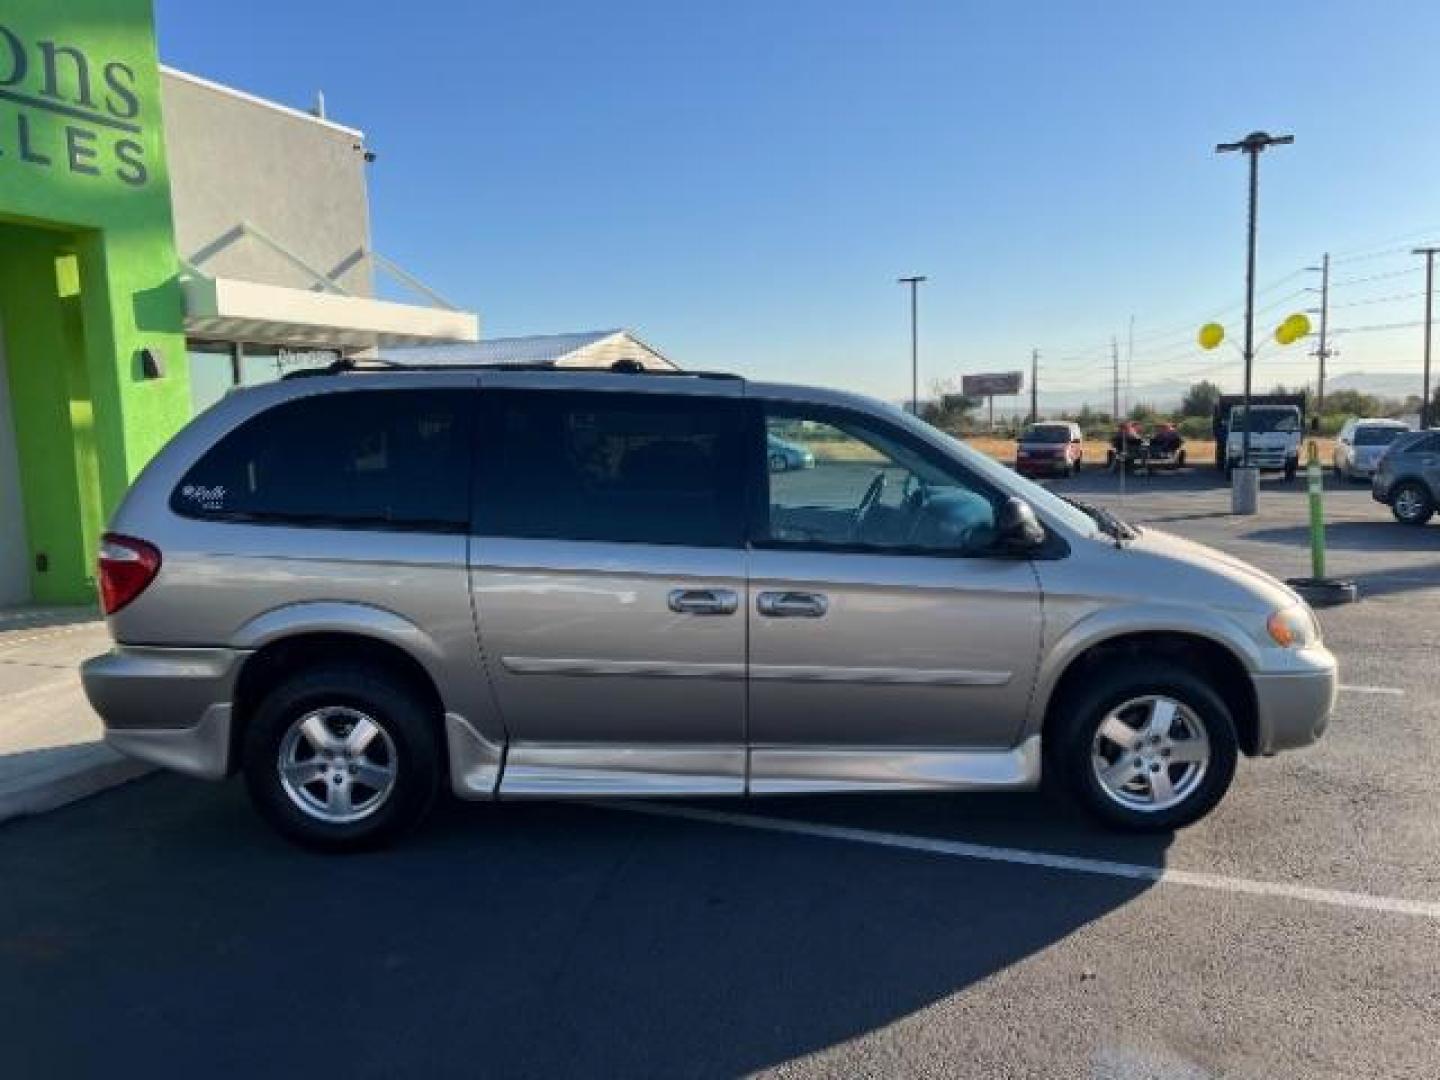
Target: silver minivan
[(361, 587)]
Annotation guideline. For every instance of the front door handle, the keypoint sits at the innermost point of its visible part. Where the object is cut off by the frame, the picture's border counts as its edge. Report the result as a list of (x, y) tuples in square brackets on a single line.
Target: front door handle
[(704, 601), (792, 605)]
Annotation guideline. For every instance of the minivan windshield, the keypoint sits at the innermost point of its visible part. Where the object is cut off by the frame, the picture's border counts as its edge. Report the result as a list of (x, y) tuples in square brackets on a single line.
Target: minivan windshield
[(1046, 433), (1263, 419), (1376, 435)]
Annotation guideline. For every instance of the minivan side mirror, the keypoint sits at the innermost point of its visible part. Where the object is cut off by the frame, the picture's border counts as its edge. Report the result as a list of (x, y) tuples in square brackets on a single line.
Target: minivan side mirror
[(1018, 530)]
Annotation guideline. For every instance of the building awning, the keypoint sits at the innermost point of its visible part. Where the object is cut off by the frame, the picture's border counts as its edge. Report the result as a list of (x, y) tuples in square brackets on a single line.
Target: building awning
[(227, 309)]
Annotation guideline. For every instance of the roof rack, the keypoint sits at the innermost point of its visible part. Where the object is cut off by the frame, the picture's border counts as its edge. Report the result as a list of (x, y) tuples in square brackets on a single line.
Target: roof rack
[(347, 365)]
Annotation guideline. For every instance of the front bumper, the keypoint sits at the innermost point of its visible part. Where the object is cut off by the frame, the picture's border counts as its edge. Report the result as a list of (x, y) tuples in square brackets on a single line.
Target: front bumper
[(169, 707), (1293, 704)]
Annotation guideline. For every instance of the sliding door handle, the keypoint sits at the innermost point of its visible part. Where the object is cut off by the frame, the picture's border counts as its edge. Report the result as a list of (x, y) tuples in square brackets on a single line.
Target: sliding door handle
[(704, 601), (792, 605)]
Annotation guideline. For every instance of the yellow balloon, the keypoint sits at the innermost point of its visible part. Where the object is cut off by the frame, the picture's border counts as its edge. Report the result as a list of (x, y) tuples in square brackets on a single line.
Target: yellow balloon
[(1211, 334), (1299, 325), (1285, 333)]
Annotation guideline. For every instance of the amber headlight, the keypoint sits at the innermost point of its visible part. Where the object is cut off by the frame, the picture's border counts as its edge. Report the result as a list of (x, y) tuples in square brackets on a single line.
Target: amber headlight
[(1293, 627)]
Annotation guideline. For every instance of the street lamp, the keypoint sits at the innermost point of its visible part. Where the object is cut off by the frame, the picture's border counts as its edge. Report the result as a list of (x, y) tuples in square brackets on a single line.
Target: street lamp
[(914, 283), (1429, 253), (1246, 488)]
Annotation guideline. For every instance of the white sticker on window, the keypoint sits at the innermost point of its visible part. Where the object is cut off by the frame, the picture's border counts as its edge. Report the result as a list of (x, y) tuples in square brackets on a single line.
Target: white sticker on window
[(205, 497)]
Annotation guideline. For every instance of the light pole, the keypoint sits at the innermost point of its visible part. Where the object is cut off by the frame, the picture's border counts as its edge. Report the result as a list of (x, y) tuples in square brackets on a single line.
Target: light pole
[(1429, 253), (914, 283), (1253, 145)]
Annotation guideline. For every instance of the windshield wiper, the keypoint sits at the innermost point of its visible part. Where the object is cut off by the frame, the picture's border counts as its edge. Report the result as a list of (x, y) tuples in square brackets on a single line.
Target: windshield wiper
[(1118, 530)]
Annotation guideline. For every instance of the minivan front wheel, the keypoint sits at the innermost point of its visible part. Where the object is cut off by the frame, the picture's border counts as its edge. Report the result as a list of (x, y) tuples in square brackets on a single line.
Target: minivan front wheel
[(339, 758), (1149, 750)]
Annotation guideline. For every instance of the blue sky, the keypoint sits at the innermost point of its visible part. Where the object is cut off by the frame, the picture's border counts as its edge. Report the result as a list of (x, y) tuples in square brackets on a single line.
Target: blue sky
[(742, 182)]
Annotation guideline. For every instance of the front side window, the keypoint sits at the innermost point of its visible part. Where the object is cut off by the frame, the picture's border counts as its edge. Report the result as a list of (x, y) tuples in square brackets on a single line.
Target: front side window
[(388, 459), (861, 485), (612, 467)]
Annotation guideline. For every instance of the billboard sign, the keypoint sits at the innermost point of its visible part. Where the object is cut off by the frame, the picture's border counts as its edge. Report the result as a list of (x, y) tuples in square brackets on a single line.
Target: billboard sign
[(997, 384)]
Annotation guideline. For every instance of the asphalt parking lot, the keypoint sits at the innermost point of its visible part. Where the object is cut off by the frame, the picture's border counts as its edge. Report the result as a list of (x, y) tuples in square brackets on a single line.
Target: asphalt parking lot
[(1295, 932)]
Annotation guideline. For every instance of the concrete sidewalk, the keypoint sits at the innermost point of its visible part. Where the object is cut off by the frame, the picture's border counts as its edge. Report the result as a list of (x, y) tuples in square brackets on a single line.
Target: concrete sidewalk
[(50, 748)]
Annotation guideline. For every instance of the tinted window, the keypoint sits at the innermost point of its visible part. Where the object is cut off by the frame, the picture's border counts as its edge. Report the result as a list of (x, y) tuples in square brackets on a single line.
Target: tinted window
[(865, 486), (380, 459), (1421, 444), (1046, 433), (636, 468), (1377, 436)]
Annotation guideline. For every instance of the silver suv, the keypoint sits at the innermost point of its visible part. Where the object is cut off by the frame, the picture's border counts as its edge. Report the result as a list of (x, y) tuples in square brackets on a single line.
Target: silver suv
[(361, 587)]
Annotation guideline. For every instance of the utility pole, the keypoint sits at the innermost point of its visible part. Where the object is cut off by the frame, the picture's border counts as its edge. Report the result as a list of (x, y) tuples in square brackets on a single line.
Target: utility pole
[(1115, 365), (1034, 385), (1323, 350), (1425, 403), (914, 282), (1253, 145)]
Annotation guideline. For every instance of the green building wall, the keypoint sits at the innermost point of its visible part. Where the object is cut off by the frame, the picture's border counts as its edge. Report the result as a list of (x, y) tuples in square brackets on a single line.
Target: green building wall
[(88, 270)]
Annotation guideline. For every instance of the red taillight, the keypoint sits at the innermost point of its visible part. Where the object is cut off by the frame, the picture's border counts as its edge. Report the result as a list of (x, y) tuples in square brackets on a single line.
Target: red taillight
[(127, 566)]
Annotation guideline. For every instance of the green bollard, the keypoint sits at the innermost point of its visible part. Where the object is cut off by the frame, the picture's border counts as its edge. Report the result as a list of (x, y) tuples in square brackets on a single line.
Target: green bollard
[(1317, 589), (1315, 481)]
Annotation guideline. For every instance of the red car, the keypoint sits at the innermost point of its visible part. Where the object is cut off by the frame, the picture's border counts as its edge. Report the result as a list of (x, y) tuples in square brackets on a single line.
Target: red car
[(1049, 448)]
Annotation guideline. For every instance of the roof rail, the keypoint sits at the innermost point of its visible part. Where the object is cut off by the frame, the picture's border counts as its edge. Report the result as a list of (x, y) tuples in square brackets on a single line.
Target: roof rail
[(347, 365), (341, 366)]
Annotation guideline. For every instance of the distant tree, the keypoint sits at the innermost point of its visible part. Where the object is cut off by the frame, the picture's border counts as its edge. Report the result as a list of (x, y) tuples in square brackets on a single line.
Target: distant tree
[(1200, 399), (947, 409), (1351, 403), (1143, 412)]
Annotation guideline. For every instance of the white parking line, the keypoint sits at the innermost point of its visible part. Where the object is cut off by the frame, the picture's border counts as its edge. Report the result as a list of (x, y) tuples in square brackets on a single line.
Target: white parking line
[(1390, 691), (960, 849)]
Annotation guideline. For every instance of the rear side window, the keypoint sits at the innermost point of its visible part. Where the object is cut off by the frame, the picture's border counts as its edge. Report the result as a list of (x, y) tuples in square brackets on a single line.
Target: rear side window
[(388, 459), (630, 468), (1377, 436)]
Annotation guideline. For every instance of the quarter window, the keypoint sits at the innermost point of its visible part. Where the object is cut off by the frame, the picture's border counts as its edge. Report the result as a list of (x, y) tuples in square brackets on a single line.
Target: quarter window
[(629, 468), (840, 482), (392, 459)]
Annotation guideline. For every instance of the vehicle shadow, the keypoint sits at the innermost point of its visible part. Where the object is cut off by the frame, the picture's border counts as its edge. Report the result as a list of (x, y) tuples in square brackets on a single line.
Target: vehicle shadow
[(1379, 535), (162, 922)]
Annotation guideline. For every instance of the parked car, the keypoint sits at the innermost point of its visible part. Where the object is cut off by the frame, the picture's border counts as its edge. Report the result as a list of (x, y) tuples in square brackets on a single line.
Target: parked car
[(1050, 448), (1407, 479), (1361, 444), (360, 587), (784, 456)]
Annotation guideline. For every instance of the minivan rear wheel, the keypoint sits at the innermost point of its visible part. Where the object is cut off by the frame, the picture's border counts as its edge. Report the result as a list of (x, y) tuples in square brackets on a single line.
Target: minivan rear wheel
[(339, 758), (1145, 750)]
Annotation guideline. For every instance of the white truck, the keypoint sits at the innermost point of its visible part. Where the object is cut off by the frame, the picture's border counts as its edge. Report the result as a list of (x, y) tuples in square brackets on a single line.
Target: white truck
[(1275, 434)]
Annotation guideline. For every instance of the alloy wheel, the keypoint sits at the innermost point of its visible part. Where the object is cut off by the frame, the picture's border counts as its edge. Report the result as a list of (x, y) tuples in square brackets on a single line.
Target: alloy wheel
[(337, 764), (1408, 503), (1150, 753)]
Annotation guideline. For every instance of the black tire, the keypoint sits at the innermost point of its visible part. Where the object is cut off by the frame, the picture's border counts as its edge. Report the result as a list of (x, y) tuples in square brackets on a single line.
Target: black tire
[(1424, 505), (1291, 468), (399, 713), (1071, 734)]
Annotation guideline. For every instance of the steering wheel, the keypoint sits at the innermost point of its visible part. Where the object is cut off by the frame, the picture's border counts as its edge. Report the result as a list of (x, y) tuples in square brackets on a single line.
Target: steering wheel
[(868, 504)]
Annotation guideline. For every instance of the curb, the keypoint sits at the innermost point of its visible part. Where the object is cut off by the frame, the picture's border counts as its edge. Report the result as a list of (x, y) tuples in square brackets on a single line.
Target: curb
[(77, 772)]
